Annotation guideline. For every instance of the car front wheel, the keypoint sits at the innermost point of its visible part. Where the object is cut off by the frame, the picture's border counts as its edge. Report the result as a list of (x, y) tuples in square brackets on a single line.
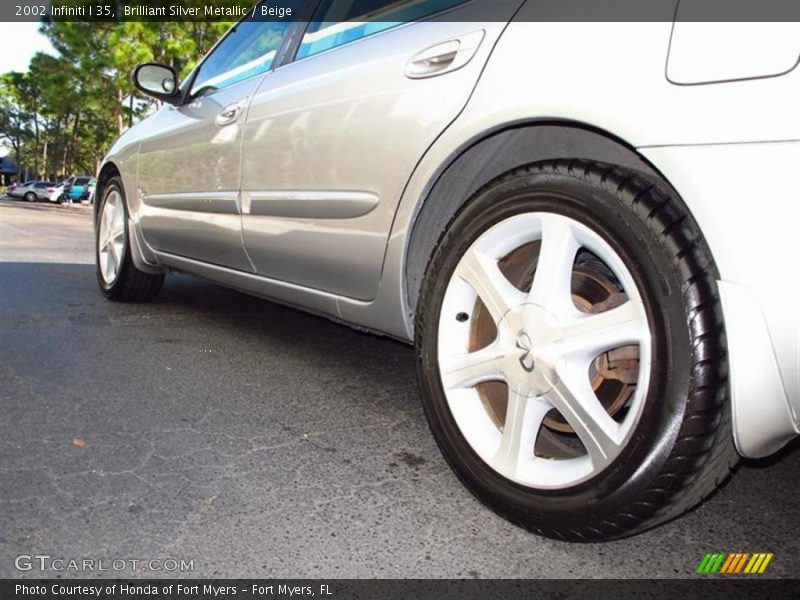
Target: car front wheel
[(571, 352), (117, 275)]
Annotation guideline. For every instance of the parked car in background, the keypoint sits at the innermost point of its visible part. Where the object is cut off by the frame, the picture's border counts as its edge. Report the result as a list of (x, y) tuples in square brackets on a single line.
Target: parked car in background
[(588, 252), (54, 192), (76, 187), (37, 190), (88, 191), (18, 190)]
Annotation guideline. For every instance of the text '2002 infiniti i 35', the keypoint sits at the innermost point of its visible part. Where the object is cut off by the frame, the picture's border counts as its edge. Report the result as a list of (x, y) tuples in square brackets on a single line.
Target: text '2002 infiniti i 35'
[(585, 248)]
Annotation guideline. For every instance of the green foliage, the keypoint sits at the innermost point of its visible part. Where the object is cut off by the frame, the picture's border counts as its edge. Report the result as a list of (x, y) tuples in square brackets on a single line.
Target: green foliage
[(61, 116)]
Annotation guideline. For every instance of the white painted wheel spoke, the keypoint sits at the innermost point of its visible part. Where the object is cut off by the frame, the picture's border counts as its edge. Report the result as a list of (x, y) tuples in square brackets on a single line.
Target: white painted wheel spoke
[(115, 250), (104, 221), (493, 288), (524, 417), (110, 211), (117, 231), (575, 399), (111, 264), (552, 282), (469, 369), (589, 335)]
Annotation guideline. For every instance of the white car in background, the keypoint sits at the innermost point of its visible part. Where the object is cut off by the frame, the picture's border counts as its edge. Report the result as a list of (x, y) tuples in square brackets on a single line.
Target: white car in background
[(37, 190)]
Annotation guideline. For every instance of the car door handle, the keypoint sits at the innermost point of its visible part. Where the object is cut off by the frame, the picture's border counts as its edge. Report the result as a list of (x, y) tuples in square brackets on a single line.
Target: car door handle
[(231, 113), (444, 57)]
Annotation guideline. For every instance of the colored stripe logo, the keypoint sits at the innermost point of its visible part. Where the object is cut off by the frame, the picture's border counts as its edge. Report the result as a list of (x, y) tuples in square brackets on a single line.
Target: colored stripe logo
[(734, 563)]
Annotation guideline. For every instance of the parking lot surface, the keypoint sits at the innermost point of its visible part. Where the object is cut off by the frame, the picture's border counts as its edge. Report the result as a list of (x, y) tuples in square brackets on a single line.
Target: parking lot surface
[(259, 441)]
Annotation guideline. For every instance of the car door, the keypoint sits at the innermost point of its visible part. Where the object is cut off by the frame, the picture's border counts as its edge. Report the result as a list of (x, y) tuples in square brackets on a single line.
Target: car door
[(28, 187), (76, 189), (189, 158), (333, 136), (40, 189)]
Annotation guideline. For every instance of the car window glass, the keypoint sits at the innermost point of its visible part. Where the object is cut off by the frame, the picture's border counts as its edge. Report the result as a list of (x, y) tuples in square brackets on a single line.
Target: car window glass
[(337, 22), (42, 184), (248, 50), (82, 181)]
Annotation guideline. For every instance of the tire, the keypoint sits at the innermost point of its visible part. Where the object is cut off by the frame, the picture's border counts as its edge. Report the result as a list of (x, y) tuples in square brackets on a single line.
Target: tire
[(117, 275), (581, 478), (30, 197)]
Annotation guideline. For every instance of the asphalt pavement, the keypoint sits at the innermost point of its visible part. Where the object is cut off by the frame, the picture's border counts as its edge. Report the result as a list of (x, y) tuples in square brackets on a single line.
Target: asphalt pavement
[(259, 441)]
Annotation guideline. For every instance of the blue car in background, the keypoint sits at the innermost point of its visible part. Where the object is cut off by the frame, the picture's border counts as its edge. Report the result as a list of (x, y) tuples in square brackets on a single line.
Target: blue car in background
[(76, 188)]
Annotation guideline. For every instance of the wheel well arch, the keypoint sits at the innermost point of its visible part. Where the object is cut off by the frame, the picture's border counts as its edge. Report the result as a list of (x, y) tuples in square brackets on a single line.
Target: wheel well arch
[(488, 156)]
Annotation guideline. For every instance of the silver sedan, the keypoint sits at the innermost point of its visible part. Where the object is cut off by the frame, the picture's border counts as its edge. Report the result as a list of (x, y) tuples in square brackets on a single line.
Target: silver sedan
[(37, 190), (586, 248)]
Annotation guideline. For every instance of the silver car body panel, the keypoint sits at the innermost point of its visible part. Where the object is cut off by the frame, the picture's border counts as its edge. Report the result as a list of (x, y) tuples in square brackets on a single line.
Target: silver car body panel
[(286, 293), (726, 148), (335, 122)]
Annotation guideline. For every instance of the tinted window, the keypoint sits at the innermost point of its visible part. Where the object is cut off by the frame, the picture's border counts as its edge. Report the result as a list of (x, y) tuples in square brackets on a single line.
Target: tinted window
[(338, 22), (81, 181), (248, 50), (41, 184)]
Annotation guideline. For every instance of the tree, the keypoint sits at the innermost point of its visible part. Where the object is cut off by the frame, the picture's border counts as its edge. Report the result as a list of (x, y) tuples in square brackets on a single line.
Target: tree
[(62, 115), (14, 120)]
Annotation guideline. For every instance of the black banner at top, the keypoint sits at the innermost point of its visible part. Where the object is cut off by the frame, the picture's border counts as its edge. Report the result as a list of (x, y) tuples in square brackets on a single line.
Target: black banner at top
[(400, 10)]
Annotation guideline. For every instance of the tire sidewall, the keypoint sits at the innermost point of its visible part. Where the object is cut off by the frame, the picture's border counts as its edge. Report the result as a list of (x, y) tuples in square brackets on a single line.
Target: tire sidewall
[(654, 436)]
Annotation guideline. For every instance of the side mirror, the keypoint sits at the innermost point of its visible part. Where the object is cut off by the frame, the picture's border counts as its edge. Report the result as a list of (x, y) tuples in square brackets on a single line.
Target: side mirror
[(158, 81)]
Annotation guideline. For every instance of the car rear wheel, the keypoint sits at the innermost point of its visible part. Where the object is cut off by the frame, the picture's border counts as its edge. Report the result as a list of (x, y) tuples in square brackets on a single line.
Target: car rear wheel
[(117, 275), (30, 197), (571, 353)]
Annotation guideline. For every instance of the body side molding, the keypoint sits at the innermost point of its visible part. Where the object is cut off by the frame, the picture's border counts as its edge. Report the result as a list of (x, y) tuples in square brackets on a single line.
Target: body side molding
[(207, 202), (309, 204)]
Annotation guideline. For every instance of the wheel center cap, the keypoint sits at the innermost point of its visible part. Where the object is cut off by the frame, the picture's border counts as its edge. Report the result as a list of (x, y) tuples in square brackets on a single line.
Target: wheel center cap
[(525, 344), (529, 367)]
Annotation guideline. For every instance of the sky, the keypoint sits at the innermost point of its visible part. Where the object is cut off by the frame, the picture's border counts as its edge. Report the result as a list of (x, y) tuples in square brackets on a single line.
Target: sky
[(18, 43)]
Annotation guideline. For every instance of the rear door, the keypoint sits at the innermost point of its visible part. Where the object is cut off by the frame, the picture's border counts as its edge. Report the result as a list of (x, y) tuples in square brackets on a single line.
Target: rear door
[(40, 189), (333, 137)]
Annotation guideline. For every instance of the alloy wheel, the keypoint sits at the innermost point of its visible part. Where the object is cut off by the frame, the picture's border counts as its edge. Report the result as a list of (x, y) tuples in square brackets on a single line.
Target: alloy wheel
[(544, 350)]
